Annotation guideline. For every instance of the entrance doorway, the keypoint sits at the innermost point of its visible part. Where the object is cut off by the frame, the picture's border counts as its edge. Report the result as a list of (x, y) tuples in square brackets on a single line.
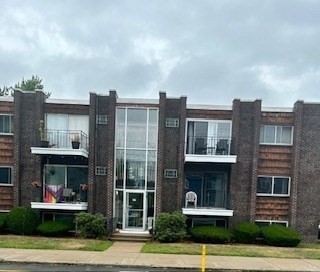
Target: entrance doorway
[(134, 215)]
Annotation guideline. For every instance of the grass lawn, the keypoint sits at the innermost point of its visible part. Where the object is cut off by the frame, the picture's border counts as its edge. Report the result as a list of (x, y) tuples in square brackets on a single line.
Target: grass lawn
[(302, 251), (37, 242)]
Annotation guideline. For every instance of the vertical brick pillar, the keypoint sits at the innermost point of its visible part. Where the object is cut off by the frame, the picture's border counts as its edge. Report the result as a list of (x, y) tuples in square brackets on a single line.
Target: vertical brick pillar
[(305, 191), (160, 155), (28, 110), (181, 151), (298, 113), (245, 144), (92, 152)]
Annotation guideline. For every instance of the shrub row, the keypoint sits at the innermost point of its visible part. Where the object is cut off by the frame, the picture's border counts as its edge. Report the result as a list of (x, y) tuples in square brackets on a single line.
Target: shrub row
[(55, 228), (3, 218), (171, 227), (210, 234), (90, 225), (23, 221), (276, 235)]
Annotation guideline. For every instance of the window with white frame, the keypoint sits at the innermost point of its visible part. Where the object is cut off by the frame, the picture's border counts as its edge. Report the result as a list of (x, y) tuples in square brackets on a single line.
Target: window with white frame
[(5, 175), (102, 119), (101, 171), (6, 123), (172, 122), (281, 135), (264, 223), (273, 185), (170, 173)]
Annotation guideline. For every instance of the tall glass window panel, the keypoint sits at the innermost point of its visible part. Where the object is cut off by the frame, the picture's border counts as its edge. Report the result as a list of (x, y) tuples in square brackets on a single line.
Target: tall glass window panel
[(119, 169), (264, 185), (136, 128), (215, 190), (57, 125), (120, 130), (79, 122), (55, 175), (119, 209), (76, 176), (153, 129), (269, 134), (286, 135), (281, 186), (224, 130), (135, 169), (151, 170), (201, 137)]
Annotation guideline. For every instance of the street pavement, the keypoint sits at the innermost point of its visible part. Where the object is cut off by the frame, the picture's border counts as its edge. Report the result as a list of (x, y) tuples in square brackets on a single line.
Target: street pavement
[(127, 254)]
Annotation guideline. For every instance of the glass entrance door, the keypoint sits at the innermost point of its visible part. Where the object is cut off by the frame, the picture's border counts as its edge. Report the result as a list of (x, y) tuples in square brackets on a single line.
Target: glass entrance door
[(134, 210)]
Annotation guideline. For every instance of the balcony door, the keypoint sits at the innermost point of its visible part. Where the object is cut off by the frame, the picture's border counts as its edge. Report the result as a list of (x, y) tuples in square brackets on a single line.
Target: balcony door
[(134, 213)]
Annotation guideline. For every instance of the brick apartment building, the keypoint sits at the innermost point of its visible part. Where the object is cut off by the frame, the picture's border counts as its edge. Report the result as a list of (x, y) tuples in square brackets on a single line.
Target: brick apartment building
[(138, 157)]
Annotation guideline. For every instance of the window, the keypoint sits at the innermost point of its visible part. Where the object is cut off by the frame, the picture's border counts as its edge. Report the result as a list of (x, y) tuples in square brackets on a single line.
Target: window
[(172, 122), (68, 176), (6, 124), (101, 171), (270, 185), (208, 137), (170, 173), (275, 135), (264, 223), (5, 175), (102, 119)]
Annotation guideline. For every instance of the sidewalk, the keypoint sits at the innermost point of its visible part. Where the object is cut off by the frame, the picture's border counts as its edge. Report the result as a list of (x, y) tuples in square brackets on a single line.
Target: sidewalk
[(128, 254)]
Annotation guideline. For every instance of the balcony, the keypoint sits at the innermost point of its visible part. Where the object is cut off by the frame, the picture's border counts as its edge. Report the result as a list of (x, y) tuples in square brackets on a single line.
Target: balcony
[(215, 204), (64, 142), (56, 197), (209, 149)]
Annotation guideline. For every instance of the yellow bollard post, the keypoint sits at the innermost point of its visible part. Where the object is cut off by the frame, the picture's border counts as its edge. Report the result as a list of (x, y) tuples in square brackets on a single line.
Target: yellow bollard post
[(203, 259)]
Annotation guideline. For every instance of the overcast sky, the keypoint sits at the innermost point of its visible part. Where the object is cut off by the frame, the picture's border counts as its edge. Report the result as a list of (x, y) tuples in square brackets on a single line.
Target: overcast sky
[(211, 51)]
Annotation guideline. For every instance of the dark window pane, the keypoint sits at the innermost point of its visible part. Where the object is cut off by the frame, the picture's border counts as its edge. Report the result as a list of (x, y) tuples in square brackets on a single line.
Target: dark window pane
[(5, 175), (264, 185), (281, 186)]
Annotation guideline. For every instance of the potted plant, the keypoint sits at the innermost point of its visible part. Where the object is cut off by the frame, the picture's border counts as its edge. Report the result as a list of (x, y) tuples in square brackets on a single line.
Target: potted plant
[(75, 140), (43, 135)]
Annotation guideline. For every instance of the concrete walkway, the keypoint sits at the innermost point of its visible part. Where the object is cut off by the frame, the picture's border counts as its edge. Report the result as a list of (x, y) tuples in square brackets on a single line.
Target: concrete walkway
[(128, 254)]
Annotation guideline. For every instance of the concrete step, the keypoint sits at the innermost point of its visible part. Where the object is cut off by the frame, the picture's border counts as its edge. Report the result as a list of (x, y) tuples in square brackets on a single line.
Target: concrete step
[(130, 237)]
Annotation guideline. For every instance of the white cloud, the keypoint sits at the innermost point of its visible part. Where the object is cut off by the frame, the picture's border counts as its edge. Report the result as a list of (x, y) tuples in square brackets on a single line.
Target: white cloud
[(276, 79)]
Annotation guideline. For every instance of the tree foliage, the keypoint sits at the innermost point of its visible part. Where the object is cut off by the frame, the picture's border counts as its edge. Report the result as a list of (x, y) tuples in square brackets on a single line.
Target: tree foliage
[(35, 83), (30, 85)]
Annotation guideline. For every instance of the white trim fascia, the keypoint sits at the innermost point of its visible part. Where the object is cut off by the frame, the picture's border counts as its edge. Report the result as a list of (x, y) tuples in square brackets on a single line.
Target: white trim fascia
[(67, 101), (276, 109), (82, 206), (208, 107), (211, 158), (59, 151), (207, 211), (137, 101), (6, 98)]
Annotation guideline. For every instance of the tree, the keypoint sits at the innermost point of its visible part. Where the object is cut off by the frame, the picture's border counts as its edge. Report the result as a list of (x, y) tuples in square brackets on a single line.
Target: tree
[(35, 83), (4, 91), (30, 84)]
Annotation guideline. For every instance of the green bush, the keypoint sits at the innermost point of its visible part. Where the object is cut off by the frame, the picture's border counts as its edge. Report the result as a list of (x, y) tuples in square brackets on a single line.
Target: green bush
[(3, 218), (210, 234), (90, 225), (55, 228), (276, 235), (246, 232), (171, 227), (22, 220)]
